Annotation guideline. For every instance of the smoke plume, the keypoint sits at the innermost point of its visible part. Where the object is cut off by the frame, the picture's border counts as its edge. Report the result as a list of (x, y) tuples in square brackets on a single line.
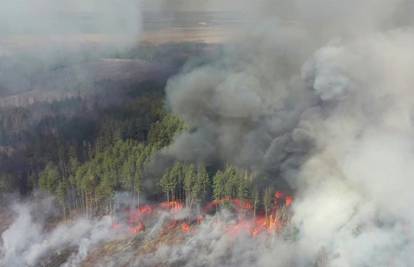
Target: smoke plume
[(30, 241), (318, 95)]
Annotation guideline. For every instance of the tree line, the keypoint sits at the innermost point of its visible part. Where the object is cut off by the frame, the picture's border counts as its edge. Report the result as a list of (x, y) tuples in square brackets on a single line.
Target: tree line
[(84, 158), (115, 166)]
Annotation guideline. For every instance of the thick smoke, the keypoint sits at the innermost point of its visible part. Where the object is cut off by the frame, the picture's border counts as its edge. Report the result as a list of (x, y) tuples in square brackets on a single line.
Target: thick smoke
[(30, 241), (318, 96)]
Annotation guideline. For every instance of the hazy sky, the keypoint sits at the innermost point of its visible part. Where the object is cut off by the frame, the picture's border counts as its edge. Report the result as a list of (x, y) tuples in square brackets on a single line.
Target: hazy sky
[(211, 5), (69, 16)]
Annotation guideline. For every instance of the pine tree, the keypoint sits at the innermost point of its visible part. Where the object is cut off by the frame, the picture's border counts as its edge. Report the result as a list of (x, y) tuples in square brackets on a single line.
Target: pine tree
[(255, 198), (230, 178), (218, 185), (190, 182), (201, 187), (169, 181), (61, 193), (267, 201), (177, 181), (243, 188), (49, 178)]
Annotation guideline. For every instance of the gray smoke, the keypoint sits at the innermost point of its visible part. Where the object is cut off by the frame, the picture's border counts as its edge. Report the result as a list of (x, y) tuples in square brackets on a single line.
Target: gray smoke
[(319, 96)]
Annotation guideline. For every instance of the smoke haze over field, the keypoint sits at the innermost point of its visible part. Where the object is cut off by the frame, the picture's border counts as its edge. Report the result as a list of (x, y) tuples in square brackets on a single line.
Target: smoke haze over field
[(44, 43), (48, 17)]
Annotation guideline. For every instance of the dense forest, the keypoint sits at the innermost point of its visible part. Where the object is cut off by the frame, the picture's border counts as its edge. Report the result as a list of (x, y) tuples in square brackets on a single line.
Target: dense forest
[(84, 150)]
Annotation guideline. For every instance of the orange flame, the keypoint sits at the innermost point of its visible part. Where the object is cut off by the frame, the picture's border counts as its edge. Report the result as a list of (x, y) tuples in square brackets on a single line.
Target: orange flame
[(288, 201), (145, 209), (242, 204), (137, 229), (185, 227), (174, 206), (245, 223), (239, 204)]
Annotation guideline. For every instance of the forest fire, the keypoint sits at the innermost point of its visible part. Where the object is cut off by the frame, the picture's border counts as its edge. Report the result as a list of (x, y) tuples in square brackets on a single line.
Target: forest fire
[(186, 228), (288, 201), (137, 229), (246, 220), (237, 204), (173, 206)]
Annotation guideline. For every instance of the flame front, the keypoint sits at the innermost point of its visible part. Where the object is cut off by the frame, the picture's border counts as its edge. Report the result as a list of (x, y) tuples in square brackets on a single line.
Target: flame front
[(246, 222)]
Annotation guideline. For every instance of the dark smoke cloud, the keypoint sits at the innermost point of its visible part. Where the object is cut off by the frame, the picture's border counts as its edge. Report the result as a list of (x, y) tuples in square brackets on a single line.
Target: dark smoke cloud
[(251, 105), (247, 106), (319, 96)]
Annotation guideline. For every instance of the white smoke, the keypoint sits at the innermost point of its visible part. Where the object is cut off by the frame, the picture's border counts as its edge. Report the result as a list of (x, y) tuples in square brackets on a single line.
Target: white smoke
[(27, 240)]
